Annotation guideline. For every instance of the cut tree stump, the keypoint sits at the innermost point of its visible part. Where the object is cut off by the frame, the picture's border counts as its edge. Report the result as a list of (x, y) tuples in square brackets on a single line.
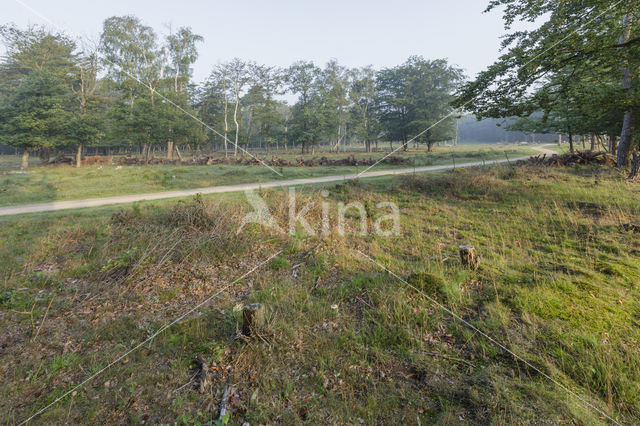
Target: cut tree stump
[(469, 257), (251, 315)]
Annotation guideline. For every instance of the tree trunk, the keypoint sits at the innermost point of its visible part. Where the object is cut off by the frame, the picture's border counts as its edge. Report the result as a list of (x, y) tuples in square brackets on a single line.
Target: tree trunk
[(235, 120), (625, 140), (627, 124), (79, 155), (25, 159), (570, 142), (612, 143), (560, 139), (170, 150), (226, 124), (635, 166), (593, 143)]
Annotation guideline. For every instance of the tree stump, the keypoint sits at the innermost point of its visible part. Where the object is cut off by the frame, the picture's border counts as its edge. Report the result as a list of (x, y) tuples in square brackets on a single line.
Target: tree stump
[(469, 257), (251, 315)]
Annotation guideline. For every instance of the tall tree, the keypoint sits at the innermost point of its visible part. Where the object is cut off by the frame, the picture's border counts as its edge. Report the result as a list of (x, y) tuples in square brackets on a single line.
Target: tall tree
[(264, 118), (308, 124), (592, 37), (183, 53), (35, 81), (86, 127), (135, 62), (213, 102), (335, 92), (414, 101), (363, 108), (237, 72)]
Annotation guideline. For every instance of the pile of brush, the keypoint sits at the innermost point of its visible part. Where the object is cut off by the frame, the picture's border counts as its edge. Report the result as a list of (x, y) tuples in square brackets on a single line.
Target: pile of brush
[(570, 159), (299, 162)]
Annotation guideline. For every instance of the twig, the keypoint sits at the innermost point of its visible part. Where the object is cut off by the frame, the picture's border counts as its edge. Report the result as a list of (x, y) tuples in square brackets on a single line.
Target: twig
[(449, 358), (43, 318), (188, 383)]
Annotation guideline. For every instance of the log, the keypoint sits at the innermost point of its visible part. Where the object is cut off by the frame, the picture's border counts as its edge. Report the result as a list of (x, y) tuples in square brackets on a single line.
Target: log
[(469, 257), (251, 315)]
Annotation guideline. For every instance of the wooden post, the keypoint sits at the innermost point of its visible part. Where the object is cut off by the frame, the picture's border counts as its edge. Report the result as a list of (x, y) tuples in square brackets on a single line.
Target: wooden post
[(469, 257), (250, 316)]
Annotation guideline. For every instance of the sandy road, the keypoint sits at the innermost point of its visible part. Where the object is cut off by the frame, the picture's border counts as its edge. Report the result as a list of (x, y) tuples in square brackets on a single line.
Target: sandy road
[(120, 199)]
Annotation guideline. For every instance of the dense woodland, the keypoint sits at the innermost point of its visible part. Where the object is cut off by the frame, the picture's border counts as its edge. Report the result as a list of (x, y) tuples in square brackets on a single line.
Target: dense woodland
[(133, 92)]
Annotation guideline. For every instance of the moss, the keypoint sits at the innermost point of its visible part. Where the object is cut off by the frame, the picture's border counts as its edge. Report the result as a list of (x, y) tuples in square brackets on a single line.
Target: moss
[(432, 285)]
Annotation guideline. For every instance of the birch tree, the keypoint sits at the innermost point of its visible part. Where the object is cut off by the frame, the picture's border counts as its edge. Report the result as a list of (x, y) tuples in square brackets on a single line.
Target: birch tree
[(182, 53), (237, 72)]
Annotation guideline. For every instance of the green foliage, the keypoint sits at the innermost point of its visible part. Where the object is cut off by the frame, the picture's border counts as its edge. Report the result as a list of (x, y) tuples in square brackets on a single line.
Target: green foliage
[(414, 97), (35, 88), (564, 76)]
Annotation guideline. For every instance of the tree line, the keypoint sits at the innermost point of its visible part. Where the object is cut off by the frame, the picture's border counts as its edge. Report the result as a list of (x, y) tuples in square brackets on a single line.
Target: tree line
[(133, 91)]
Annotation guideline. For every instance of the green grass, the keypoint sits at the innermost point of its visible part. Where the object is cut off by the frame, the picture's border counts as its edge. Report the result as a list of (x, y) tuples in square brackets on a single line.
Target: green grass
[(57, 183), (343, 340)]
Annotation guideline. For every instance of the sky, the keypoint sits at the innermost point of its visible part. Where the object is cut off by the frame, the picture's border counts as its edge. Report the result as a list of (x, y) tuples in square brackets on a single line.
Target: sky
[(279, 32)]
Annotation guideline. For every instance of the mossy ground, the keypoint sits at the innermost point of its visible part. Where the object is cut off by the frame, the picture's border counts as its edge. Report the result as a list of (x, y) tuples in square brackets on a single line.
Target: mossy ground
[(343, 341)]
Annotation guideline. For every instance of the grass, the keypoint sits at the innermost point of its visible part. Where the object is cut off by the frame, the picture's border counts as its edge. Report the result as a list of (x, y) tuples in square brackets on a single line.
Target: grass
[(343, 341), (57, 183)]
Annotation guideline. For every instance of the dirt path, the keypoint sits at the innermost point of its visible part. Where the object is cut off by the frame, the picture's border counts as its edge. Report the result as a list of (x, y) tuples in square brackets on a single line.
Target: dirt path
[(96, 202)]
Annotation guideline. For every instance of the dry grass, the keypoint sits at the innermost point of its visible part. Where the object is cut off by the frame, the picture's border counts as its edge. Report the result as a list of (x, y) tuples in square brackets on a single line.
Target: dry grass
[(343, 342)]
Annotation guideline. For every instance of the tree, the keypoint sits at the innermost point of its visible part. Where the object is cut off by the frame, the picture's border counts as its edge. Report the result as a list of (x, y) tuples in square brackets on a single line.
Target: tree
[(362, 95), (213, 102), (591, 40), (86, 127), (264, 118), (335, 91), (35, 83), (183, 53), (237, 72), (308, 123), (134, 62), (414, 101), (393, 105)]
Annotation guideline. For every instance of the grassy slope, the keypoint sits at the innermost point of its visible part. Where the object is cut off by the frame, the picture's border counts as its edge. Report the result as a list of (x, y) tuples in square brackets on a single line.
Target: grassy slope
[(558, 285), (55, 183)]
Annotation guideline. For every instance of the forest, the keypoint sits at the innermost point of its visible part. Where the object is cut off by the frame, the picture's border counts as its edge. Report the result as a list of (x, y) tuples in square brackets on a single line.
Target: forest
[(133, 92)]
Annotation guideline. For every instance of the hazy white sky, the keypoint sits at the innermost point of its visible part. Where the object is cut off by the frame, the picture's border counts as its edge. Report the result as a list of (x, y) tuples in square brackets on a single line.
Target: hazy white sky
[(278, 32)]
